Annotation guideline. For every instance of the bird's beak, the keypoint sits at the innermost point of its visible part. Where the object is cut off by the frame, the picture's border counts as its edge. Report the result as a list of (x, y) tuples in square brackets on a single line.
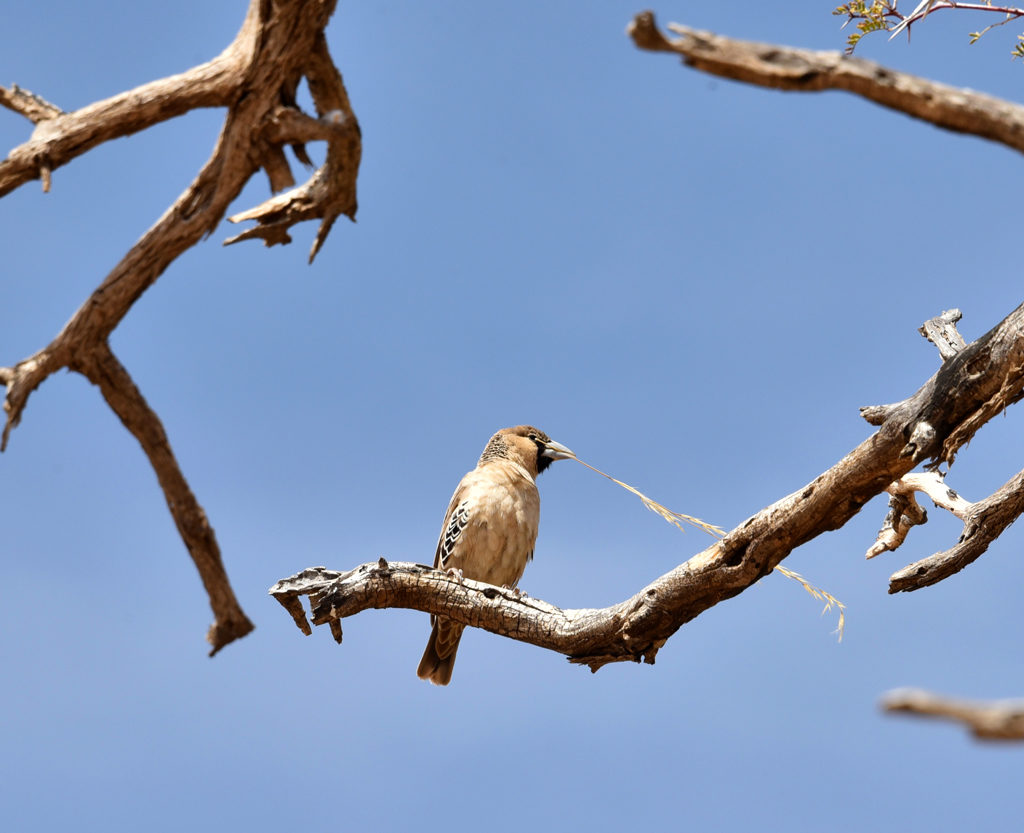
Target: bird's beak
[(556, 451)]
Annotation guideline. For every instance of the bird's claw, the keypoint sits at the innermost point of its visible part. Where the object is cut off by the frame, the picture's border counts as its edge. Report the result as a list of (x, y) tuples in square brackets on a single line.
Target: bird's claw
[(456, 573)]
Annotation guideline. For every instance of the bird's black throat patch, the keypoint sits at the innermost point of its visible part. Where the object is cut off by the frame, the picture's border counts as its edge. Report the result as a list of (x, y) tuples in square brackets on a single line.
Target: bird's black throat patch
[(542, 462)]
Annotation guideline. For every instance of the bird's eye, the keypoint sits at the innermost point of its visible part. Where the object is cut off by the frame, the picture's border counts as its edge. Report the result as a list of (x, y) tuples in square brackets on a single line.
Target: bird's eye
[(535, 438)]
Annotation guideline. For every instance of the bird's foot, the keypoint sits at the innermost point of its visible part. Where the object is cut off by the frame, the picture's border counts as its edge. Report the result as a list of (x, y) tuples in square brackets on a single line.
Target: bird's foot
[(519, 594), (456, 573)]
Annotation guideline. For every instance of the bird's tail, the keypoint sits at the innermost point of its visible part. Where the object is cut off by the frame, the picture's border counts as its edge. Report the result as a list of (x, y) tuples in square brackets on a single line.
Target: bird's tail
[(439, 657)]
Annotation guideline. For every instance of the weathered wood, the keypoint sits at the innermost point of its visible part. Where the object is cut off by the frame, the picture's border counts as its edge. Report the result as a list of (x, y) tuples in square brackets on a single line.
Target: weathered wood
[(808, 70), (255, 79), (916, 430), (984, 521)]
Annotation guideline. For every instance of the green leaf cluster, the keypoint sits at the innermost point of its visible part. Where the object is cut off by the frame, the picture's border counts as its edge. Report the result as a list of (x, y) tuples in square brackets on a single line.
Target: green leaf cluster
[(869, 17)]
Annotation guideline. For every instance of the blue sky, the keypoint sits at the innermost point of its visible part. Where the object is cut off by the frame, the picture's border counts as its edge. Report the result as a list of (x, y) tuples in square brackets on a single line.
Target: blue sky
[(691, 283)]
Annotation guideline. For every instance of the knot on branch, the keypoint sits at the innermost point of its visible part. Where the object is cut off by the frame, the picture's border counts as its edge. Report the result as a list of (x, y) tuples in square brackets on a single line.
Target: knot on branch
[(920, 442), (636, 621)]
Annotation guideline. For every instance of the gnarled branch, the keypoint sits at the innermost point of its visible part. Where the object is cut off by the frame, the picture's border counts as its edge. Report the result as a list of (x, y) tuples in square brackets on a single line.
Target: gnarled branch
[(904, 513), (255, 78), (332, 192), (984, 521), (636, 628)]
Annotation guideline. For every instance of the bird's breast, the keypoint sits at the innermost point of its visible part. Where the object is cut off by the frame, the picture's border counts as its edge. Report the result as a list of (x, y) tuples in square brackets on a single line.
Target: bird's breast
[(503, 509)]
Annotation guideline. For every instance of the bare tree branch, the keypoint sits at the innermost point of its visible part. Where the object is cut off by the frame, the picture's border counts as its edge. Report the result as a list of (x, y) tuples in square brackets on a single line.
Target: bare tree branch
[(987, 373), (101, 367), (986, 721), (589, 637), (915, 430), (194, 214), (904, 512), (932, 484), (60, 137), (927, 7), (806, 70), (332, 192), (984, 521), (255, 78), (33, 107)]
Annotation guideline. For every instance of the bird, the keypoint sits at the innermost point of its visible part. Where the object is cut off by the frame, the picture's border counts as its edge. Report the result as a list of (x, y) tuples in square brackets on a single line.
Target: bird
[(920, 11), (490, 528)]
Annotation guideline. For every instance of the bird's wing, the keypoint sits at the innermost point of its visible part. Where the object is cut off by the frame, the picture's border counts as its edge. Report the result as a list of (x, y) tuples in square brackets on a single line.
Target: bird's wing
[(455, 521)]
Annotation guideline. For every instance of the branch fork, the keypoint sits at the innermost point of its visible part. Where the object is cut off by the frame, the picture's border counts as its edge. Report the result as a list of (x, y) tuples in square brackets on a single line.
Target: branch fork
[(255, 79), (984, 520)]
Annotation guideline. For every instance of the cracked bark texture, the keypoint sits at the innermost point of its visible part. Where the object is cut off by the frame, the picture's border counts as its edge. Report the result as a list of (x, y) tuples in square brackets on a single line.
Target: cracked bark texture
[(255, 78), (928, 427)]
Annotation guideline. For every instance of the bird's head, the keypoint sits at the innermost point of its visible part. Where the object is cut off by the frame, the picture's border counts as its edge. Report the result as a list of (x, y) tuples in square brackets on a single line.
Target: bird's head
[(527, 445)]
